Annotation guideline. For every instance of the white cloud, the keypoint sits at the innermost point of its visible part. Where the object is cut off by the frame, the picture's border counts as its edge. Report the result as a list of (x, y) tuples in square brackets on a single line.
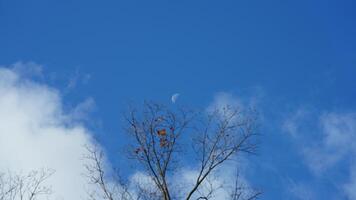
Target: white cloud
[(223, 100), (338, 132), (184, 179), (78, 78), (350, 187), (35, 133), (80, 112), (222, 180), (225, 103), (291, 125), (333, 145), (301, 191), (28, 69)]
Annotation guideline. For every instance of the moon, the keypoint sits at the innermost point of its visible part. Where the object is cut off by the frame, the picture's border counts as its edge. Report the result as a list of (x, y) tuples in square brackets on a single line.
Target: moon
[(174, 97)]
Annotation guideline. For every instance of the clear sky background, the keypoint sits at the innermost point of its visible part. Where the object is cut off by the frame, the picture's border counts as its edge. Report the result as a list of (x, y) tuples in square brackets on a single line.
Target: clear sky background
[(295, 60)]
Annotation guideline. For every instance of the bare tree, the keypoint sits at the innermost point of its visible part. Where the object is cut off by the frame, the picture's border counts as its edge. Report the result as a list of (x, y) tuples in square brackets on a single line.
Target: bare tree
[(25, 187), (112, 189), (240, 191), (160, 137)]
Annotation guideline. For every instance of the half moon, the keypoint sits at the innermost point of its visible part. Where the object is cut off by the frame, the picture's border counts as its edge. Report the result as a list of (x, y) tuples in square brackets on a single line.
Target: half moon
[(174, 97)]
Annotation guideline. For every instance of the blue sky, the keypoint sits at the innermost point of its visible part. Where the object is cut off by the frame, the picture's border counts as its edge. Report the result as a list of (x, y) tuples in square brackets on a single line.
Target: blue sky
[(296, 60)]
